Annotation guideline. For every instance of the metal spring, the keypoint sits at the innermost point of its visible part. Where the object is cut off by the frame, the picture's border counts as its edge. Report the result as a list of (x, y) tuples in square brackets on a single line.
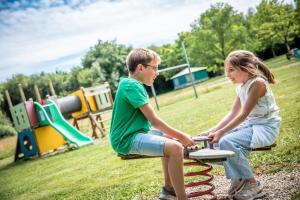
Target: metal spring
[(202, 173)]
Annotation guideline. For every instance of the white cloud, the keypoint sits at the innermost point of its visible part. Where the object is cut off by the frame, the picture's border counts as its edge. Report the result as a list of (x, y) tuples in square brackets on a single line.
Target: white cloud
[(31, 37)]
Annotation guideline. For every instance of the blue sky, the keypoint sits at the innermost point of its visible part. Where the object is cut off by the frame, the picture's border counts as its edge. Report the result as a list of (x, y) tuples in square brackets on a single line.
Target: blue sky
[(50, 35)]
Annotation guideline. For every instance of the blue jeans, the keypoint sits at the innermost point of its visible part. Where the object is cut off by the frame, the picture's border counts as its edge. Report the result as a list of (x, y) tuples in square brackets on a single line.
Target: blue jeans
[(238, 140), (151, 143)]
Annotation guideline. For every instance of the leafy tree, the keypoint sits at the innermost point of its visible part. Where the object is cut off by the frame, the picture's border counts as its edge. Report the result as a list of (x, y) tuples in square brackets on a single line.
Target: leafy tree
[(171, 55), (107, 61), (73, 83), (217, 32), (274, 23), (296, 8), (12, 86)]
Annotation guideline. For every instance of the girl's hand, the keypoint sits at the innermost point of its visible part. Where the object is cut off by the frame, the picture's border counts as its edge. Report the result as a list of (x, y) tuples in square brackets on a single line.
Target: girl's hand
[(205, 133), (214, 137)]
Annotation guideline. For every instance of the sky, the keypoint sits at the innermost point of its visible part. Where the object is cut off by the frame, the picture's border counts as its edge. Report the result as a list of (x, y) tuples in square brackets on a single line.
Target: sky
[(54, 35)]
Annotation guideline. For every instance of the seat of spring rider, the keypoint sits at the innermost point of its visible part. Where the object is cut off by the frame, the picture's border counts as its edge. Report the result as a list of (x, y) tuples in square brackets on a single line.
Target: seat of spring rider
[(208, 153), (205, 154)]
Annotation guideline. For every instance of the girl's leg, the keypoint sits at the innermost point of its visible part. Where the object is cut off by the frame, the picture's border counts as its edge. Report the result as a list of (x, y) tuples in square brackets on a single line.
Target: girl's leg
[(174, 165), (237, 167)]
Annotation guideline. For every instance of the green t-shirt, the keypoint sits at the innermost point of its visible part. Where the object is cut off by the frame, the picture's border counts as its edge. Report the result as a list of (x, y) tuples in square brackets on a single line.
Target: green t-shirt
[(127, 118)]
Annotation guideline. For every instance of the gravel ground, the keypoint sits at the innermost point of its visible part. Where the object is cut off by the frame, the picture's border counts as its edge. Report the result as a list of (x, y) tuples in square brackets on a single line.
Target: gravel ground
[(282, 185), (279, 186)]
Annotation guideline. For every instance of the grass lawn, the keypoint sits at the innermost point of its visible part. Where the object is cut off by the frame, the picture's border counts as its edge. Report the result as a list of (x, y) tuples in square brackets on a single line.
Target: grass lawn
[(95, 172)]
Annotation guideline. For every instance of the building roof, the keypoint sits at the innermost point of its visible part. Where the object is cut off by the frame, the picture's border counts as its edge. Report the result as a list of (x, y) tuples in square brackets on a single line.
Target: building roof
[(186, 71)]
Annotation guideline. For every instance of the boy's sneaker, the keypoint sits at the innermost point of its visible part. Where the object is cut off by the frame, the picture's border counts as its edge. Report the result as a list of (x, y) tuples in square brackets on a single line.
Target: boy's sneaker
[(235, 186), (167, 194), (250, 191)]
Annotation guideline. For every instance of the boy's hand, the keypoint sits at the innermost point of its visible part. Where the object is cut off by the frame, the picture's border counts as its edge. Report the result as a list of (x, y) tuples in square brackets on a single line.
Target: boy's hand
[(187, 141)]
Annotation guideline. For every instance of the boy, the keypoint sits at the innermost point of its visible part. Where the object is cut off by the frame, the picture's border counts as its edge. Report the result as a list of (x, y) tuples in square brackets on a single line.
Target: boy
[(132, 119)]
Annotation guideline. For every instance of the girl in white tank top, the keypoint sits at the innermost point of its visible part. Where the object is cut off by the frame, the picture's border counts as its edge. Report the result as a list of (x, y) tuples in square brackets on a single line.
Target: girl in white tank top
[(252, 122)]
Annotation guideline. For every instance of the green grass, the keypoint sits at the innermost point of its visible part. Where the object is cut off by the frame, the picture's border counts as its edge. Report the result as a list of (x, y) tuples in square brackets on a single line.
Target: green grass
[(280, 61), (95, 172)]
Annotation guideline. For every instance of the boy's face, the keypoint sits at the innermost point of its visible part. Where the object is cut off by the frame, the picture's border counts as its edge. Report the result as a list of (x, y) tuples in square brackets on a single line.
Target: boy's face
[(149, 72)]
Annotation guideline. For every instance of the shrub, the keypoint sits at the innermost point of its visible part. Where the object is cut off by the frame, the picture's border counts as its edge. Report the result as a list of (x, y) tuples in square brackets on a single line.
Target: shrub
[(6, 130), (4, 120)]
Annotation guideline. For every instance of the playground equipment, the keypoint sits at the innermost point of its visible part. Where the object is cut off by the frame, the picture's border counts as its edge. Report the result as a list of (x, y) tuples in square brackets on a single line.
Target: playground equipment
[(296, 53), (96, 102), (41, 126), (198, 178), (293, 53), (200, 181)]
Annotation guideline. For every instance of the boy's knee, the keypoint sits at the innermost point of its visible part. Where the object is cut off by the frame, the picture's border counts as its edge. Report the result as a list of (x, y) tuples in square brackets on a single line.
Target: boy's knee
[(173, 147)]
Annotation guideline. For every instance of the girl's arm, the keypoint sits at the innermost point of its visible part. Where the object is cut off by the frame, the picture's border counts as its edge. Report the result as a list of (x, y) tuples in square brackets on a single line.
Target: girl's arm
[(234, 111), (257, 90), (159, 124)]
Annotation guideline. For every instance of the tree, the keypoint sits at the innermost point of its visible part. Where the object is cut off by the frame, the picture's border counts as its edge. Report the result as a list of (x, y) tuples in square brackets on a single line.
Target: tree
[(106, 60), (274, 23), (217, 32), (171, 55)]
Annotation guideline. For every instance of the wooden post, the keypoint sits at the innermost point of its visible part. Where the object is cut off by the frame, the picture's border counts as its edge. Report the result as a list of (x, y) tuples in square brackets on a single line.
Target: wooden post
[(52, 91), (21, 93), (37, 94), (8, 99)]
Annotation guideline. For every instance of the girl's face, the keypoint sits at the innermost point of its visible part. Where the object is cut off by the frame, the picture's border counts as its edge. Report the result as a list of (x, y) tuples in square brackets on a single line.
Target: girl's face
[(236, 75)]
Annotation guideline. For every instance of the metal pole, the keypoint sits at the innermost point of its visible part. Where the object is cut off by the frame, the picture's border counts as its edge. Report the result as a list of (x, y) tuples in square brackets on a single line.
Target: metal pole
[(171, 68), (188, 64), (154, 95)]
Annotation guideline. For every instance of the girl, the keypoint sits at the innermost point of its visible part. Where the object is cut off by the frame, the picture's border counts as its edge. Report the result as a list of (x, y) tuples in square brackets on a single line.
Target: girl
[(253, 121)]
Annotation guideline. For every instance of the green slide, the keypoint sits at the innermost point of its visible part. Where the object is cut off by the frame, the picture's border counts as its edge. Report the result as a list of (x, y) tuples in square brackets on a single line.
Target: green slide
[(58, 122)]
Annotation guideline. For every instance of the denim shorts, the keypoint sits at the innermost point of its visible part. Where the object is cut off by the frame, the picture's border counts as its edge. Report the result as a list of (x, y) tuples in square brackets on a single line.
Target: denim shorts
[(151, 143)]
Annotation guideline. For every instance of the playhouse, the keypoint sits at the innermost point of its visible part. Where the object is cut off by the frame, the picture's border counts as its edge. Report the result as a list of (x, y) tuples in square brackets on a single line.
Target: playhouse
[(183, 78), (42, 128)]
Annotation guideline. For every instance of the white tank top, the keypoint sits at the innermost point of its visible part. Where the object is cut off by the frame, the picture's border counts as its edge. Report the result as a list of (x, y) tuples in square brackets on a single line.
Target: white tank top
[(265, 109), (264, 117)]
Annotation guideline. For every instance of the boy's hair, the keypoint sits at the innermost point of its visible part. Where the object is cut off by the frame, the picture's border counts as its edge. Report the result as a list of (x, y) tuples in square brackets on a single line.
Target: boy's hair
[(140, 56), (248, 62)]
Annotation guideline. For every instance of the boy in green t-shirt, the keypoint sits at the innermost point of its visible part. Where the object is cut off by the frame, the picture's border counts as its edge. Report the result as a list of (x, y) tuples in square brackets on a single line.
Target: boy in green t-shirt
[(133, 118)]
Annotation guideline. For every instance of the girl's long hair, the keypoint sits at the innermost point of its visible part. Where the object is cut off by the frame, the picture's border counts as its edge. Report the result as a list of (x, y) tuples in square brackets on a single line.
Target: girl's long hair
[(248, 62)]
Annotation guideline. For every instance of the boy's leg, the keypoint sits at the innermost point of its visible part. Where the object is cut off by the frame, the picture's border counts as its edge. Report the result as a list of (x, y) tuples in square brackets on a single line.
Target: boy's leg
[(174, 152), (153, 143), (165, 161)]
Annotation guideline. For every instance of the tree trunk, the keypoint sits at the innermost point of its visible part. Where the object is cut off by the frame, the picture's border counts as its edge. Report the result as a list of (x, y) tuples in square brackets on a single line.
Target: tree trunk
[(273, 51), (287, 45)]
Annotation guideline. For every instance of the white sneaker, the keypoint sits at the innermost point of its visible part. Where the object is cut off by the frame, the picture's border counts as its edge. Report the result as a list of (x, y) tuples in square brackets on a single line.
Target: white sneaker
[(235, 186), (250, 191)]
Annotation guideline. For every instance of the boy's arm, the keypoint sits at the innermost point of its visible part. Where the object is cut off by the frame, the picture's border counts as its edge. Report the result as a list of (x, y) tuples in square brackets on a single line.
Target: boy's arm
[(159, 124)]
